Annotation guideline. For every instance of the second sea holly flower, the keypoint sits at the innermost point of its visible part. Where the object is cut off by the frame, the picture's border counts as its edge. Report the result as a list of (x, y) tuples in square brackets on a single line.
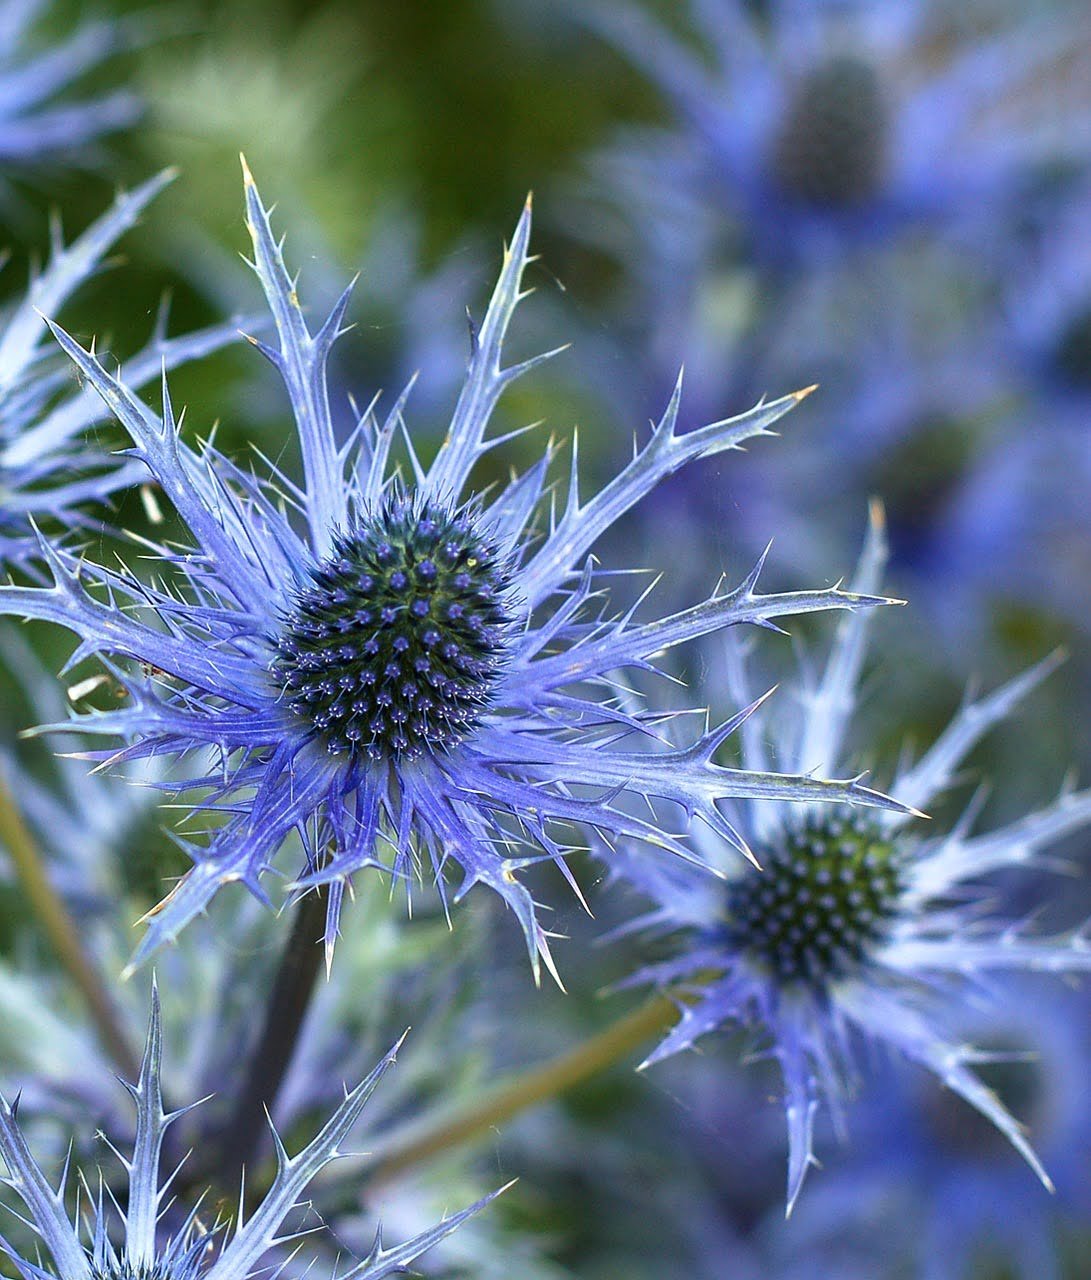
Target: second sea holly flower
[(860, 930)]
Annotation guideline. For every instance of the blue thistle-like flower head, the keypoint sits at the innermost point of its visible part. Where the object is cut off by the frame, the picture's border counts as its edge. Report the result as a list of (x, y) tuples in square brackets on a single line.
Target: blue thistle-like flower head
[(857, 928), (829, 126), (48, 469), (35, 127), (192, 1252), (386, 666)]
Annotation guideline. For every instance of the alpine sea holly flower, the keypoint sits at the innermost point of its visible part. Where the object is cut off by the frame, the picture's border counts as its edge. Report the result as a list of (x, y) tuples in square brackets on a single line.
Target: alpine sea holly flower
[(385, 665), (48, 469), (190, 1252), (830, 126), (35, 127), (856, 928)]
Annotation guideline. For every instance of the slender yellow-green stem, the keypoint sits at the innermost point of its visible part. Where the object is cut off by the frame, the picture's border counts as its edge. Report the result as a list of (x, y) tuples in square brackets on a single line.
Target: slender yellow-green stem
[(464, 1124), (62, 932)]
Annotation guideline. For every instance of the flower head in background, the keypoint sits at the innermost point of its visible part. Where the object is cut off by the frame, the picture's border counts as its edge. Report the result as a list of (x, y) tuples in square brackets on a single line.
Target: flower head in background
[(48, 467), (383, 663), (839, 194), (38, 126), (192, 1252), (857, 929), (833, 125)]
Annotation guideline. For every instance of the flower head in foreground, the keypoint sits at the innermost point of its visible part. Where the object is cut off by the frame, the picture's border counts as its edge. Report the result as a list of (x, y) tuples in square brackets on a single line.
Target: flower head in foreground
[(48, 469), (34, 127), (857, 929), (191, 1252), (394, 666)]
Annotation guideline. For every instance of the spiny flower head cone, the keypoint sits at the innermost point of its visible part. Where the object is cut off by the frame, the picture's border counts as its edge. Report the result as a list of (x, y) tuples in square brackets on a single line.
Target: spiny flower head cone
[(193, 1252), (857, 929), (832, 126), (49, 470), (398, 671)]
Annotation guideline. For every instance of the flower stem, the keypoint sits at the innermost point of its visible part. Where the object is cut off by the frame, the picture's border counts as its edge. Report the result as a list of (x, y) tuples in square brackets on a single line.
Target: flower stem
[(462, 1125), (293, 987), (63, 933)]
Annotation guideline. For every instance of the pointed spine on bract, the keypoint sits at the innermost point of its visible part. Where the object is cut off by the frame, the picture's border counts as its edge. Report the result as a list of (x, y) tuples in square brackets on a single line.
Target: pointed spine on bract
[(191, 1252)]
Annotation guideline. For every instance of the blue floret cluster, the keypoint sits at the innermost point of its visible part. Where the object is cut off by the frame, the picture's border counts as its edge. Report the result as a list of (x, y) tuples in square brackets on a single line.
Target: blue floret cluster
[(693, 810)]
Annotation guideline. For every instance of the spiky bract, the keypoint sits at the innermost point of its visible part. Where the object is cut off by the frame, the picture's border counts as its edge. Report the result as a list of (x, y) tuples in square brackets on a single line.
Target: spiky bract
[(192, 1252), (38, 127), (48, 468), (979, 1207), (879, 932)]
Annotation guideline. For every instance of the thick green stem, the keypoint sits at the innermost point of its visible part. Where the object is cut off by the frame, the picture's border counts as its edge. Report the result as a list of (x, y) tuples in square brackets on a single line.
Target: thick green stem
[(63, 933), (289, 1000), (465, 1124)]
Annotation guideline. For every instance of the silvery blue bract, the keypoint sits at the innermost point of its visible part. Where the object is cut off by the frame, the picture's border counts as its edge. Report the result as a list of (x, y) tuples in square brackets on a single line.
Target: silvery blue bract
[(49, 469), (191, 1252), (36, 128)]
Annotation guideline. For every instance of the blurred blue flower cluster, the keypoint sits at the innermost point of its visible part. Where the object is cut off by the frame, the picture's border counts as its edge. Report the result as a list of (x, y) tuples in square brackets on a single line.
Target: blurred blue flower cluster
[(889, 197), (40, 126), (335, 665)]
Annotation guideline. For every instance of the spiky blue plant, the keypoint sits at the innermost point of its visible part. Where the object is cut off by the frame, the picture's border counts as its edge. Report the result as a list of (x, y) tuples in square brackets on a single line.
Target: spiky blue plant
[(36, 128), (828, 126), (856, 929), (48, 468), (191, 1251), (391, 665)]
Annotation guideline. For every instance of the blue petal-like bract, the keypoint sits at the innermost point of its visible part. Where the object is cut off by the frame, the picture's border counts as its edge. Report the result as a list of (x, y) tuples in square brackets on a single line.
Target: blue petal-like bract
[(38, 126), (191, 1252), (49, 471)]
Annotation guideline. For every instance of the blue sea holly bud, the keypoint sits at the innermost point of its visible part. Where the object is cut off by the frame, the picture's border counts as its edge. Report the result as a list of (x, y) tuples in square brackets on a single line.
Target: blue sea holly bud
[(398, 669), (861, 929), (196, 1248)]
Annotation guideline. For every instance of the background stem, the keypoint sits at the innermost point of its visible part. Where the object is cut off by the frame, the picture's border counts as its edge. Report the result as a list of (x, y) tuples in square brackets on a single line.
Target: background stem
[(63, 933), (460, 1125)]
